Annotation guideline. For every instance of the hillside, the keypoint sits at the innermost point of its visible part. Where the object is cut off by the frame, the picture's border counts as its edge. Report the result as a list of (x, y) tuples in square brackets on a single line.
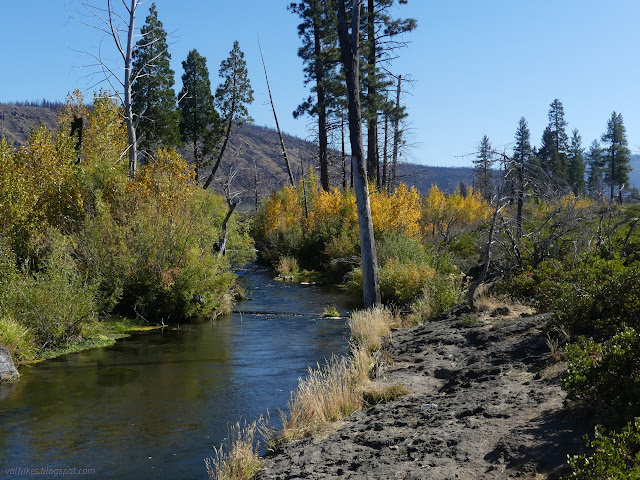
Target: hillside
[(17, 121), (252, 150)]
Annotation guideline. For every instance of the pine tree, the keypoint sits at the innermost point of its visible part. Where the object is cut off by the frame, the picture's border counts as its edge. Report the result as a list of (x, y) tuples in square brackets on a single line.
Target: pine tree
[(556, 143), (378, 48), (320, 53), (576, 164), (200, 123), (522, 154), (232, 97), (154, 100), (616, 155), (482, 168), (595, 161)]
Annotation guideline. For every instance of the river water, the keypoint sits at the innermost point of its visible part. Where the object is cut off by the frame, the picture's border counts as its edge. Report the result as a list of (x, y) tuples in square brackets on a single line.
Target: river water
[(154, 405)]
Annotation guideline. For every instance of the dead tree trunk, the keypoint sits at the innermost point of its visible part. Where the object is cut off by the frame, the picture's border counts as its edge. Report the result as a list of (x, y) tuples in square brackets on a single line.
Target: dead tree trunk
[(349, 48), (487, 257), (225, 232), (321, 98), (385, 159), (224, 143), (273, 108), (372, 122), (396, 137), (255, 184), (129, 75), (344, 155)]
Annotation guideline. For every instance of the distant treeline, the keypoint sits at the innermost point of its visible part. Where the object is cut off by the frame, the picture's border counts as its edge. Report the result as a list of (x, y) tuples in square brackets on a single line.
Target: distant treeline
[(52, 105)]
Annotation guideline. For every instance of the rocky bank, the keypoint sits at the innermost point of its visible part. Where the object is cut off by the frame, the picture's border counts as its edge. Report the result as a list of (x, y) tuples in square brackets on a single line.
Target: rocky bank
[(485, 403)]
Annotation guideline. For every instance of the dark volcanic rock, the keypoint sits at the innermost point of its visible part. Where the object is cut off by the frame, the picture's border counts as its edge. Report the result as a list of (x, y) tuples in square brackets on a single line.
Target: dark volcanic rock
[(485, 403)]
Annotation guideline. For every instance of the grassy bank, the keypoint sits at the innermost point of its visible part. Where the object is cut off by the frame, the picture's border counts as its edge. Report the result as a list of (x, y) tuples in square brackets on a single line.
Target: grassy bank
[(97, 334), (328, 393)]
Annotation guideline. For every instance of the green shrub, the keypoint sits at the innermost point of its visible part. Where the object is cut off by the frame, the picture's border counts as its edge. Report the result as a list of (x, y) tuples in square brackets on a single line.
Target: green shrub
[(55, 302), (616, 456), (17, 338), (599, 297), (540, 285), (402, 283), (401, 248), (608, 373)]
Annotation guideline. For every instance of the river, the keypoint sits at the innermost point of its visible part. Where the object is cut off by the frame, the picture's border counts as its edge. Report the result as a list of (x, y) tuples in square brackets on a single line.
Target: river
[(154, 405)]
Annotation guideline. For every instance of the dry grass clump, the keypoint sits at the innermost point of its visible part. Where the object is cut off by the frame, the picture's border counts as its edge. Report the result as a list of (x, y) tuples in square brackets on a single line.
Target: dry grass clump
[(379, 392), (361, 364), (327, 394), (237, 458), (369, 326), (486, 302), (338, 388)]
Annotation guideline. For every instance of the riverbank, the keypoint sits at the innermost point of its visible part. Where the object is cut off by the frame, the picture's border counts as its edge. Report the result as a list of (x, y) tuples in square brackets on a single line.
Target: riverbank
[(101, 334), (485, 402)]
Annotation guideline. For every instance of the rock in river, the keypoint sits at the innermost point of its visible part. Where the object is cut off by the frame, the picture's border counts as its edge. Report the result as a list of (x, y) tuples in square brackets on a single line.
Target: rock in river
[(8, 370)]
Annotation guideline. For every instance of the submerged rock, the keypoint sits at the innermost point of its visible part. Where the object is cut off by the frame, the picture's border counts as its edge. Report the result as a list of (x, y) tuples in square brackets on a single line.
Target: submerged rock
[(8, 370)]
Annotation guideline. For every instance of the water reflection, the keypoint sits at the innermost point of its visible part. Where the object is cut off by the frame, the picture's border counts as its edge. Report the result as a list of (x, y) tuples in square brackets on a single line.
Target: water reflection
[(154, 405)]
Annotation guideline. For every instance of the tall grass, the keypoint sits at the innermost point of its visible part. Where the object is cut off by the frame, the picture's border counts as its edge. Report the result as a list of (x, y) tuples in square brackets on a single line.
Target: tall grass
[(327, 394), (369, 326), (237, 458)]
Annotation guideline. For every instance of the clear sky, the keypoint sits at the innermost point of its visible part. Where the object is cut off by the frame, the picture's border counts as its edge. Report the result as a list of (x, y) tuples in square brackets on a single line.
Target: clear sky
[(477, 65)]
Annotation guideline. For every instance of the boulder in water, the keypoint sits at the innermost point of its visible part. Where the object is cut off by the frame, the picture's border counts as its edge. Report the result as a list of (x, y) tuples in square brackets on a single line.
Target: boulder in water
[(8, 370)]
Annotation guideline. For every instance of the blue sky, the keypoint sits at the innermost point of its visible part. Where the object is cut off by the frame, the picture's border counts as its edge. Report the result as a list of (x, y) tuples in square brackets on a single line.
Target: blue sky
[(477, 66)]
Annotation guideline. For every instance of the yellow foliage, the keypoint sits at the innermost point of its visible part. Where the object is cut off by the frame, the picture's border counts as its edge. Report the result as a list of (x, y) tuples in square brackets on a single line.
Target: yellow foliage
[(48, 163), (168, 180), (104, 135), (577, 203), (333, 206), (399, 212), (283, 211), (445, 215)]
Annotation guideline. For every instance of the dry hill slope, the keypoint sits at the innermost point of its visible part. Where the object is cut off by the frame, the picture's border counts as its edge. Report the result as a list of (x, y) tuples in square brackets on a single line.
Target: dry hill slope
[(252, 150)]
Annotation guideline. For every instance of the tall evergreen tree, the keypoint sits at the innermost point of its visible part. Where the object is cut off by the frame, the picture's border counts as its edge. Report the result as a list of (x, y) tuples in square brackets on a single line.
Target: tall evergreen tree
[(381, 32), (232, 97), (482, 168), (154, 100), (320, 53), (616, 155), (555, 144), (522, 154), (576, 164), (595, 179), (200, 123)]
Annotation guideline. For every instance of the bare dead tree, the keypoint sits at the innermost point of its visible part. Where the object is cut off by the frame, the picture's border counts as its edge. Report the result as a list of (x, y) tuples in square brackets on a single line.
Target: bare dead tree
[(119, 26), (256, 183), (500, 203), (273, 108), (233, 200), (396, 138), (350, 51)]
